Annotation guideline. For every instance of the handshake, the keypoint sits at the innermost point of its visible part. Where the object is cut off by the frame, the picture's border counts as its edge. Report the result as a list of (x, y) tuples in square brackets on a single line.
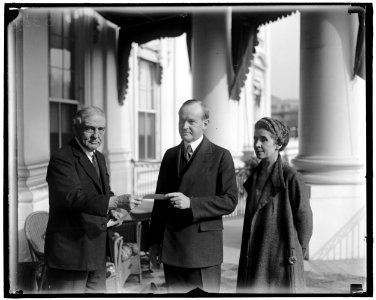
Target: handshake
[(126, 201)]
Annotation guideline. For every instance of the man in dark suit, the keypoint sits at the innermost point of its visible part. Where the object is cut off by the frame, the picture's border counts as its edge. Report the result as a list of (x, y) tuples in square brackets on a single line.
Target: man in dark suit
[(198, 177), (80, 200)]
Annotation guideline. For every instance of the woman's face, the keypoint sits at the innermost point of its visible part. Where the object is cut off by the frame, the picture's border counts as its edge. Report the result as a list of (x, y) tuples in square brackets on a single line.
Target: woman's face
[(265, 146)]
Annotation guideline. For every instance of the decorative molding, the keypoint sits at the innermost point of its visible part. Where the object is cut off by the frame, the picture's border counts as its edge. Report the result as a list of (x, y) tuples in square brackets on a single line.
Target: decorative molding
[(320, 163), (33, 176), (323, 170)]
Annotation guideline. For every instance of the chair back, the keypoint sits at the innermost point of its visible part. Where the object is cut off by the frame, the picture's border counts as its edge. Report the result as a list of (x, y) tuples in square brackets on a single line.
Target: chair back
[(35, 232)]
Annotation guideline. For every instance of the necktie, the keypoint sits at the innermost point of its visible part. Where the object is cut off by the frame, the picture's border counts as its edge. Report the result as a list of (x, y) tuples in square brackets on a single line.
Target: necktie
[(188, 153), (95, 164)]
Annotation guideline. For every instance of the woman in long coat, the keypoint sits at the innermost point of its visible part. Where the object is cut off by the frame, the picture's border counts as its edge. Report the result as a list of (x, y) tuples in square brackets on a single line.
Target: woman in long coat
[(278, 219)]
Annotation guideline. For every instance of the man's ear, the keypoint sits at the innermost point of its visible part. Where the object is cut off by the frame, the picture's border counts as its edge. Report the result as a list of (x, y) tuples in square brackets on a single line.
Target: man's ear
[(206, 124)]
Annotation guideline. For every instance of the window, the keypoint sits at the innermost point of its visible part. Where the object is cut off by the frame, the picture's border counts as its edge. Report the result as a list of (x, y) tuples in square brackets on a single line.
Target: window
[(147, 110), (62, 77), (61, 115)]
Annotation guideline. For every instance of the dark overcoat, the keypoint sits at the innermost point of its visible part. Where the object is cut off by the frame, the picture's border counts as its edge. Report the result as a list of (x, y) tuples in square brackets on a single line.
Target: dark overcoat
[(276, 235), (77, 226), (193, 238)]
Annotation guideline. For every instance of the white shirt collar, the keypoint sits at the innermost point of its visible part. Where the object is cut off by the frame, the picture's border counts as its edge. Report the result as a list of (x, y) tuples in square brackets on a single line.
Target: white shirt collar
[(194, 144), (88, 153)]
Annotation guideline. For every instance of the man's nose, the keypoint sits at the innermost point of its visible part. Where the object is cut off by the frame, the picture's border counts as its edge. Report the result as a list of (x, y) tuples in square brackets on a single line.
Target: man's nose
[(96, 133)]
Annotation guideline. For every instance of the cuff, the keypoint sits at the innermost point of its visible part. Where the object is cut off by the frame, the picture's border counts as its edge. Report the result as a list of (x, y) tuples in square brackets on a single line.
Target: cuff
[(112, 203)]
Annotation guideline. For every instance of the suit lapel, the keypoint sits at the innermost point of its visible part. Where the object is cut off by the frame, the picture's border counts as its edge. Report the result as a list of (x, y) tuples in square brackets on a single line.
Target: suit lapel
[(103, 171), (180, 153), (86, 164), (198, 160), (202, 154)]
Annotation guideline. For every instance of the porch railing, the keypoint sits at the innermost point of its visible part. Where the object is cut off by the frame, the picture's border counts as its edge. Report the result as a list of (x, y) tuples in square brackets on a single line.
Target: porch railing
[(348, 243), (145, 176), (241, 177)]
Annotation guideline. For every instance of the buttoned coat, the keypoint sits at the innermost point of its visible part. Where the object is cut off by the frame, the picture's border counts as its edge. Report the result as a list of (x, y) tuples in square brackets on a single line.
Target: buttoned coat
[(77, 226), (193, 238), (276, 234)]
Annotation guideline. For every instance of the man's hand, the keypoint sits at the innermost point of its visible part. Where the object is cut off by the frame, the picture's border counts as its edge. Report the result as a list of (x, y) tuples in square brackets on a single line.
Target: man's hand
[(116, 214), (128, 202), (155, 255), (179, 200)]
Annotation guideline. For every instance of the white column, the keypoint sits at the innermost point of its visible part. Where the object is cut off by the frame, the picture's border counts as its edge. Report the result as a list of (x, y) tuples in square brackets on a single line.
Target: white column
[(33, 149), (117, 145), (329, 156), (211, 64), (327, 139), (12, 163)]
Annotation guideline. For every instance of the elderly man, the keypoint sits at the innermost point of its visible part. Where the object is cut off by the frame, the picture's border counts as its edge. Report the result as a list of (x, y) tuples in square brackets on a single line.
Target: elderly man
[(80, 200), (198, 178)]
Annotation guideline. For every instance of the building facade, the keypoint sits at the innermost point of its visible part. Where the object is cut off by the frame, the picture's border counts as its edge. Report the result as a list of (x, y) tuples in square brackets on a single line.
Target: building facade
[(287, 111), (64, 59)]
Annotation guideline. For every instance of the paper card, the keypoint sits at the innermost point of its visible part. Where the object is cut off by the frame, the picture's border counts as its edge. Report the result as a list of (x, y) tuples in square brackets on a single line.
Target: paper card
[(156, 197)]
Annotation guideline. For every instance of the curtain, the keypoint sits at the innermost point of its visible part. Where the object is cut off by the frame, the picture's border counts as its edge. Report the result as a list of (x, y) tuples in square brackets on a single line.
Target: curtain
[(167, 27)]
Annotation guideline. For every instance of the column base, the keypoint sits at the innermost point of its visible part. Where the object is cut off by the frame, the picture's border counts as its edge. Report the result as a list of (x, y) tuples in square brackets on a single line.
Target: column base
[(329, 170)]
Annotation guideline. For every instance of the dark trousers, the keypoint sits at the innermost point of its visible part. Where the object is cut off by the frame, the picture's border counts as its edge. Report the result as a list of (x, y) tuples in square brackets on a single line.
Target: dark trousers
[(68, 281), (183, 280)]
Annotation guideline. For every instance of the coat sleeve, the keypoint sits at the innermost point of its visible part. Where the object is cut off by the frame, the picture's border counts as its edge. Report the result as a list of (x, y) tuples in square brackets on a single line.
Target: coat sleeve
[(158, 216), (224, 201), (301, 209), (67, 191), (106, 175)]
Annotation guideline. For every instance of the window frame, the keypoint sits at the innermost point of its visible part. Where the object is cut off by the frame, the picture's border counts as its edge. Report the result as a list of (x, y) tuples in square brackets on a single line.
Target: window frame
[(150, 56), (76, 69)]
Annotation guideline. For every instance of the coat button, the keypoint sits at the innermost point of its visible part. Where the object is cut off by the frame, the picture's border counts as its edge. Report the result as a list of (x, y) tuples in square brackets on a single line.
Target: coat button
[(292, 260)]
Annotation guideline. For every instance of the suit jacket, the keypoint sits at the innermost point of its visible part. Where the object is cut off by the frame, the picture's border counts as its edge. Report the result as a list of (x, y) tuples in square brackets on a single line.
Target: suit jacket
[(77, 226), (275, 233), (193, 238)]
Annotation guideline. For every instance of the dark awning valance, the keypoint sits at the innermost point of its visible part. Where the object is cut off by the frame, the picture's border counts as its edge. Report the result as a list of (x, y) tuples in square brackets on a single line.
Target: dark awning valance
[(359, 60), (142, 25), (245, 24)]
